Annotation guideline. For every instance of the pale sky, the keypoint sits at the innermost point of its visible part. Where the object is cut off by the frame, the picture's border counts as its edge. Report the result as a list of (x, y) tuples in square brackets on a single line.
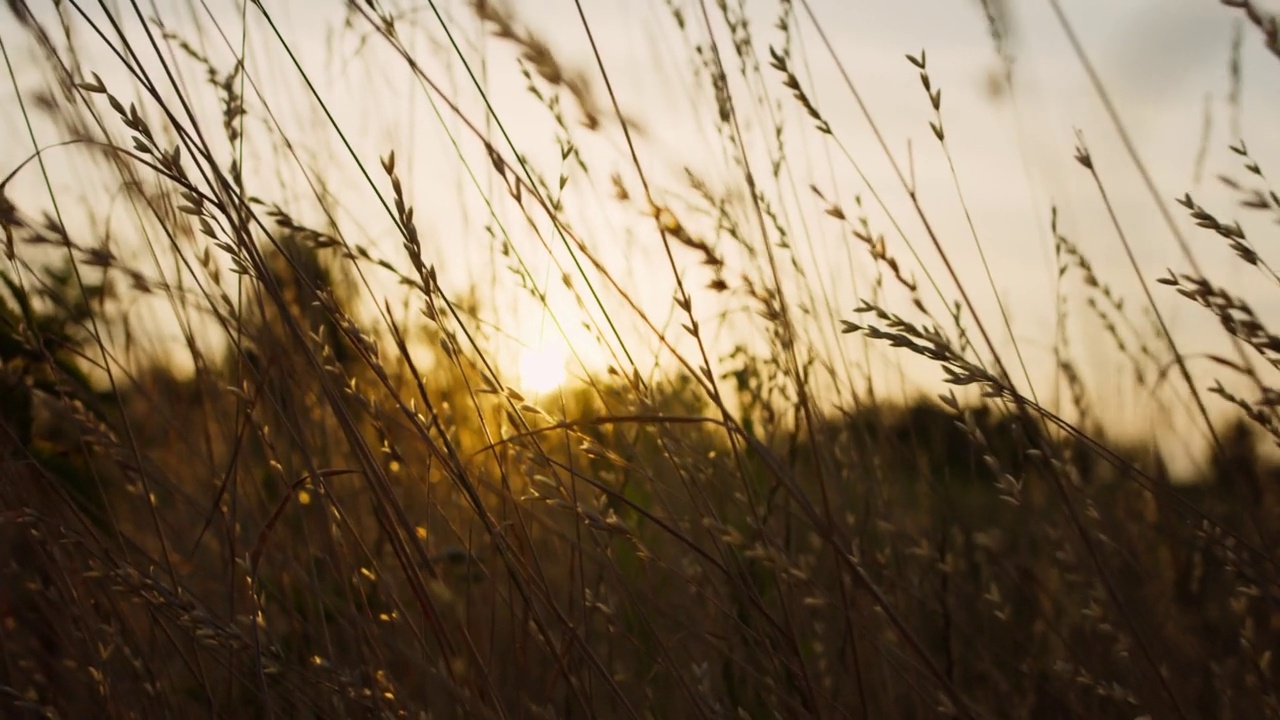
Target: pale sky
[(1160, 61)]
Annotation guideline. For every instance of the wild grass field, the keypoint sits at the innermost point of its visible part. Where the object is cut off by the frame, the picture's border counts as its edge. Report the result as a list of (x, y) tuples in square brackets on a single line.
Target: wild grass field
[(381, 359)]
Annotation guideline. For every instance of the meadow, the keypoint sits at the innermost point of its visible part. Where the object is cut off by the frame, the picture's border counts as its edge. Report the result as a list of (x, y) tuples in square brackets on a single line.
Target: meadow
[(405, 361)]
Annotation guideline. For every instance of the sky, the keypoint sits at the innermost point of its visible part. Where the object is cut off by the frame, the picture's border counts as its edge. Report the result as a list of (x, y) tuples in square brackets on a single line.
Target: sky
[(1164, 63)]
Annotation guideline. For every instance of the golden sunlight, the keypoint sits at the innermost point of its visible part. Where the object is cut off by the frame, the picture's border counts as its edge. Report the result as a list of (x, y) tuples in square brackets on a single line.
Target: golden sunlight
[(543, 368)]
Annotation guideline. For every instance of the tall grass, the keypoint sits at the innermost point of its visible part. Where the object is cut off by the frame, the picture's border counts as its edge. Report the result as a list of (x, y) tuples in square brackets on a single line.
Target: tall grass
[(266, 450)]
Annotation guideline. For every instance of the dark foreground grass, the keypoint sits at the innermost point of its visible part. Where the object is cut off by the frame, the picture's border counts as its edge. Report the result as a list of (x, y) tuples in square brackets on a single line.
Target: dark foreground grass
[(329, 497)]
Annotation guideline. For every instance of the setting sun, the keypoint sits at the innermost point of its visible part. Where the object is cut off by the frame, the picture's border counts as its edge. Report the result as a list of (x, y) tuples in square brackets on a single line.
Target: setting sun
[(542, 369)]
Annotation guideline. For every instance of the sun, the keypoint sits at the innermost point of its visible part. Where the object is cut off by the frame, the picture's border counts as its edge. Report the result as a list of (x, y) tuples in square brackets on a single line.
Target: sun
[(543, 369)]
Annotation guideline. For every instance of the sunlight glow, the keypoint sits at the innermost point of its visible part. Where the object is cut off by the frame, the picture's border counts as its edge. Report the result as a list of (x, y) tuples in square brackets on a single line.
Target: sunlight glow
[(543, 369)]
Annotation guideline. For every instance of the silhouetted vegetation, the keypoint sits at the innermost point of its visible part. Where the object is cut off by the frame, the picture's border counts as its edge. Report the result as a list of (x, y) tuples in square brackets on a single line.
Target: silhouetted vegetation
[(327, 499)]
